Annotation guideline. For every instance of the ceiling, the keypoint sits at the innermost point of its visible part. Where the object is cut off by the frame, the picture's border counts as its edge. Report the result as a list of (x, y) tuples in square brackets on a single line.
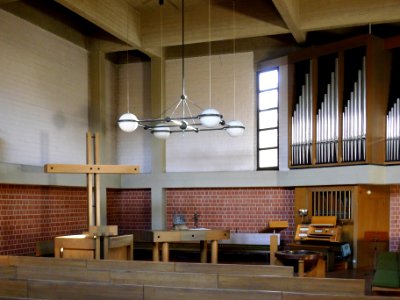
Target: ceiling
[(275, 26)]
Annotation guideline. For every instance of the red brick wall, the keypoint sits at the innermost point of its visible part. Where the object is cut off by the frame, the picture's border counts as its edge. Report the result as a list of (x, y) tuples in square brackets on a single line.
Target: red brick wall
[(130, 209), (32, 213), (236, 209), (394, 234)]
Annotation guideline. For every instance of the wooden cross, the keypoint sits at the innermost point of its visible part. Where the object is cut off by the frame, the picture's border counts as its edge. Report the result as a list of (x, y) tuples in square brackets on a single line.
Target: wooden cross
[(92, 169)]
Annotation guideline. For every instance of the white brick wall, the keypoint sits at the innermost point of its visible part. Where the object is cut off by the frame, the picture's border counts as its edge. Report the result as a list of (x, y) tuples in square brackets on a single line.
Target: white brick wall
[(43, 95)]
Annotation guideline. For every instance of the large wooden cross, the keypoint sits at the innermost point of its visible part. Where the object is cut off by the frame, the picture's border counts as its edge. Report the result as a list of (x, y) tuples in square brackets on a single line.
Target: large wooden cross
[(92, 169)]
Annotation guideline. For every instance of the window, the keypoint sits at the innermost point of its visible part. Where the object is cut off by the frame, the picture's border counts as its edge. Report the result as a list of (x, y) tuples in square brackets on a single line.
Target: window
[(267, 119)]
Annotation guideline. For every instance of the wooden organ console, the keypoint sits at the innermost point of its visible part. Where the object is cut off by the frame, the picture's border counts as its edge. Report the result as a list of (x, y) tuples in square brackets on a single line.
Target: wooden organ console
[(325, 236), (361, 211), (321, 229)]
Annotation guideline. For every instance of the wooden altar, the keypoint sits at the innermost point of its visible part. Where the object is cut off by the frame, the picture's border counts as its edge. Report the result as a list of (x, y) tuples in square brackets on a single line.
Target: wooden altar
[(101, 242), (164, 237)]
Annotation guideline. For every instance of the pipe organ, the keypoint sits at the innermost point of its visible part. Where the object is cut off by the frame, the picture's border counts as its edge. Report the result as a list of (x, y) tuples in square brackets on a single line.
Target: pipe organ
[(338, 113)]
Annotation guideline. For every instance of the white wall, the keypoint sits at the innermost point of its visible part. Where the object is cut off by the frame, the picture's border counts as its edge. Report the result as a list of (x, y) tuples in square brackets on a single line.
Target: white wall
[(134, 148), (43, 95), (213, 151)]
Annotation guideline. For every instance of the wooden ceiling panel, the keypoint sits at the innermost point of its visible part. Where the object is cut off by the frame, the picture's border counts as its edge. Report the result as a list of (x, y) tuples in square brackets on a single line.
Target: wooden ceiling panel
[(333, 14)]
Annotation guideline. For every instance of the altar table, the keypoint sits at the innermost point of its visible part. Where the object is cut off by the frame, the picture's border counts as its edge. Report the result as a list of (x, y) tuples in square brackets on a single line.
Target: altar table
[(164, 237)]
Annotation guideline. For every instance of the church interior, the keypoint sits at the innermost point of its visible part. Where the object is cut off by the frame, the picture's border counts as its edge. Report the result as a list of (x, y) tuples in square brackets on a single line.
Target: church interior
[(253, 145)]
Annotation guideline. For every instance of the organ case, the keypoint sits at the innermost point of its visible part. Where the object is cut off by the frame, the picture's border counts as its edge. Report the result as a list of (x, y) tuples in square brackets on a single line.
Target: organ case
[(337, 103)]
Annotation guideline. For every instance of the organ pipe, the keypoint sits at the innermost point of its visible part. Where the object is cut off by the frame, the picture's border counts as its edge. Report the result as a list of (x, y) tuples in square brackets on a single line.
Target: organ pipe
[(393, 132), (354, 120), (302, 126), (327, 122)]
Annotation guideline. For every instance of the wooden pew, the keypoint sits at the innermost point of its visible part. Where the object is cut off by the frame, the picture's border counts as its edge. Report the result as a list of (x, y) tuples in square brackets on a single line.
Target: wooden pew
[(172, 279), (190, 267), (13, 288), (61, 273), (8, 272), (294, 284), (305, 296), (50, 289), (213, 277), (234, 269), (171, 293)]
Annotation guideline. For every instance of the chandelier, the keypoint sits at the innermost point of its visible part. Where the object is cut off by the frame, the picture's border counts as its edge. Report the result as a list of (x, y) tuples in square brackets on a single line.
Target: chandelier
[(179, 118)]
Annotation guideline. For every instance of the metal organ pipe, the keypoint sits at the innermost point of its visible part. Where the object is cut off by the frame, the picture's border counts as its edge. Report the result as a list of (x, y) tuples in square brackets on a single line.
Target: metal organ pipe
[(354, 120), (328, 122), (393, 132), (302, 125)]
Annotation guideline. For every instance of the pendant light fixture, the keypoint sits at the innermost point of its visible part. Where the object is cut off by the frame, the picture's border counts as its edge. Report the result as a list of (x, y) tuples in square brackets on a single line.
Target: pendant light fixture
[(128, 122), (235, 127), (207, 120)]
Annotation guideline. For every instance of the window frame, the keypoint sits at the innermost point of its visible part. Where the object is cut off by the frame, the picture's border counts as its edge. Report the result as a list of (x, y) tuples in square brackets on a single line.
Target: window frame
[(258, 130)]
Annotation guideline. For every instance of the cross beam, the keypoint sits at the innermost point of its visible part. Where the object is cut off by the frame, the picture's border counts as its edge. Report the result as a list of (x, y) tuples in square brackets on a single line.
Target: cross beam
[(93, 170), (90, 169)]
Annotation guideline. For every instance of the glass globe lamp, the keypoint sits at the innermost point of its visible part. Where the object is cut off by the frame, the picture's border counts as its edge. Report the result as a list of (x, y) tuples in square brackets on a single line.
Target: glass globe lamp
[(235, 128), (128, 122), (161, 131), (210, 117)]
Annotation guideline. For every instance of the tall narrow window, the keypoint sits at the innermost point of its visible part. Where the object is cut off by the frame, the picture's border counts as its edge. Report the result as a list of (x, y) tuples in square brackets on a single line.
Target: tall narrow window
[(267, 120)]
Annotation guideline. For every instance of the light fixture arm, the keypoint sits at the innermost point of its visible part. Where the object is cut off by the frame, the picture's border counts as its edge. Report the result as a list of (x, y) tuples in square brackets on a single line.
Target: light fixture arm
[(183, 49)]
